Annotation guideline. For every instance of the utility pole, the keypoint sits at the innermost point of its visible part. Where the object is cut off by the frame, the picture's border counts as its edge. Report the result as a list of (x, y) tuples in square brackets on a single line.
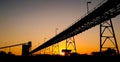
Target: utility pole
[(88, 2), (56, 31)]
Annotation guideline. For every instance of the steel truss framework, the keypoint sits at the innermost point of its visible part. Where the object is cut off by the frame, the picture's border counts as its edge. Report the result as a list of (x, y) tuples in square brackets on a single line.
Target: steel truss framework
[(55, 49), (13, 46), (104, 12), (70, 44), (107, 34)]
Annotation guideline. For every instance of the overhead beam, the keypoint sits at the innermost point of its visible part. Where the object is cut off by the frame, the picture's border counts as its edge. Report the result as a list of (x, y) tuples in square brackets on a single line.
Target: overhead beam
[(12, 45)]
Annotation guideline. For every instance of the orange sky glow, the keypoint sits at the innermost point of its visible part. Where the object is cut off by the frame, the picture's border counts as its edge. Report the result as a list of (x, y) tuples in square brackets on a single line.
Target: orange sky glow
[(23, 21)]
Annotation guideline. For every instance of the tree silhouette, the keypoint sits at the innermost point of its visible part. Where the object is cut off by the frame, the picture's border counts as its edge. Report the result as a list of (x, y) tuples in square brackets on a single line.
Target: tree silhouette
[(110, 51)]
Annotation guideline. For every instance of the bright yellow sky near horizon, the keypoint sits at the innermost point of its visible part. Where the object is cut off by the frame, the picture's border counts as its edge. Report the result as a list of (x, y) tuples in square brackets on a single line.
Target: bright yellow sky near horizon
[(23, 21)]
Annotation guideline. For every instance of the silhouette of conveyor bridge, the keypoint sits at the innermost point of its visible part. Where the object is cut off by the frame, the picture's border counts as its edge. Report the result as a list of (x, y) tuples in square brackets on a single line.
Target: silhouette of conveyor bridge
[(101, 14), (25, 48)]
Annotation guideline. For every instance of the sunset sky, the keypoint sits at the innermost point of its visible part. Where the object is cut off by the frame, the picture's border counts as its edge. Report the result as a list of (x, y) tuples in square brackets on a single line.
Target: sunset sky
[(34, 20)]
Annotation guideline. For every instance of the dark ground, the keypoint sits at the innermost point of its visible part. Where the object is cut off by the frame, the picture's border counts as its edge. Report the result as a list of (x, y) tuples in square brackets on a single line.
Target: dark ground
[(57, 58)]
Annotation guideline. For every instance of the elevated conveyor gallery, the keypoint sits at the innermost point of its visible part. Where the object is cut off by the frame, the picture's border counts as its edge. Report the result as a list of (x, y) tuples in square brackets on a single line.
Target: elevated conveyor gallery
[(103, 12)]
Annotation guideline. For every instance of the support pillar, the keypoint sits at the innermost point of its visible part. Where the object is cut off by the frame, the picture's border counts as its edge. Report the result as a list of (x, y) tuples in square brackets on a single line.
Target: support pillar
[(70, 46), (107, 37), (55, 49), (71, 42)]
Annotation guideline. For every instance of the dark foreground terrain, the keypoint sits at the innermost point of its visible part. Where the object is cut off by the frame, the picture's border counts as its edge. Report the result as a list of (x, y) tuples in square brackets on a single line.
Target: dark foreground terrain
[(57, 58)]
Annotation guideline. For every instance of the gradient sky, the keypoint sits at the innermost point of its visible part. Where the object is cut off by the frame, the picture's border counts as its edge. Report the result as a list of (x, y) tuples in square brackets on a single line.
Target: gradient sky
[(33, 20)]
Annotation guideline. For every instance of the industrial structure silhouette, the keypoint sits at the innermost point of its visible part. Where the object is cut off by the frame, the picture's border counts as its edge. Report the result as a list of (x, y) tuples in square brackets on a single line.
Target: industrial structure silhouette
[(101, 14)]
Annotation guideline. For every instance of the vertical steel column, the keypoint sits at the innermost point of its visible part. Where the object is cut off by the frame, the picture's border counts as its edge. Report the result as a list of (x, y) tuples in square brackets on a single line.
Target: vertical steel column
[(9, 49), (52, 49), (116, 45), (66, 44), (100, 38), (74, 44), (48, 50)]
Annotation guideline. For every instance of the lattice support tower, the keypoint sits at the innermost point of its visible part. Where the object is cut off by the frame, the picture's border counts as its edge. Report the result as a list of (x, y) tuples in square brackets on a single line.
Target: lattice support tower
[(70, 44), (55, 49), (107, 37), (47, 50)]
